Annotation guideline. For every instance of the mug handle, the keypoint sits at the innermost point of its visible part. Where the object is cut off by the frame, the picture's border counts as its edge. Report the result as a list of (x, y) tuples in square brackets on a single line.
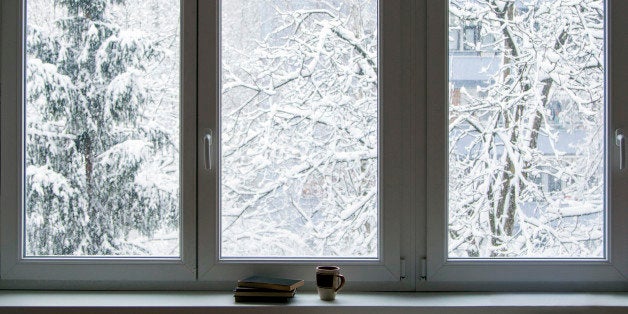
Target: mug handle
[(342, 282)]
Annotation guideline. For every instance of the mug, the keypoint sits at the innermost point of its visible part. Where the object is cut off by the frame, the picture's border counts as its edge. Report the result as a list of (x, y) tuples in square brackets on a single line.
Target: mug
[(328, 282)]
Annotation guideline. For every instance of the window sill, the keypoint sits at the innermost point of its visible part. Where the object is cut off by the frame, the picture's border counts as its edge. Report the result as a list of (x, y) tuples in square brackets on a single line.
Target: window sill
[(308, 302)]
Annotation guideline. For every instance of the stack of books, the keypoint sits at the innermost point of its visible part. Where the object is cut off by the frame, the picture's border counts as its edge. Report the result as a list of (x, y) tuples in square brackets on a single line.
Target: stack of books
[(266, 289)]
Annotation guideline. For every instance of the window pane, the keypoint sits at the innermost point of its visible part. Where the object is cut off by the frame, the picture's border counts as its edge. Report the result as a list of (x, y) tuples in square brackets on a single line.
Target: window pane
[(299, 128), (526, 130), (102, 128)]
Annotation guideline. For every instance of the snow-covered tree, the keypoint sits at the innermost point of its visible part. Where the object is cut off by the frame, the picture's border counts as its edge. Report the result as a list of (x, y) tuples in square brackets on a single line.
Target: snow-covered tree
[(299, 128), (551, 54), (92, 134)]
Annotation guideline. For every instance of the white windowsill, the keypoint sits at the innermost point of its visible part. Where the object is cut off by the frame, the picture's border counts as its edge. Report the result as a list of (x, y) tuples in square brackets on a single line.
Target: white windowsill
[(308, 302)]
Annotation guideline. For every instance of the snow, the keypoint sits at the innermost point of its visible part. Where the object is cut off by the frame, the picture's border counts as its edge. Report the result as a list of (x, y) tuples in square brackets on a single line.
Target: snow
[(102, 132), (299, 125), (299, 129), (526, 172)]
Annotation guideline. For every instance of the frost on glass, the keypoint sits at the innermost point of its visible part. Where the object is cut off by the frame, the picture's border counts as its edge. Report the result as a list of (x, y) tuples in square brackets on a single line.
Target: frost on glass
[(299, 128), (526, 129), (102, 128)]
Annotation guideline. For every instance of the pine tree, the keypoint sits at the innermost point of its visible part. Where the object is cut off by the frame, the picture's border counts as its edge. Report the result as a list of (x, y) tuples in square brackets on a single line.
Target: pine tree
[(87, 139)]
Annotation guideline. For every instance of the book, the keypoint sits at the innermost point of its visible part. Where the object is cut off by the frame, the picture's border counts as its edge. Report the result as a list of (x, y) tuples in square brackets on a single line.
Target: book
[(258, 292), (262, 299), (282, 284)]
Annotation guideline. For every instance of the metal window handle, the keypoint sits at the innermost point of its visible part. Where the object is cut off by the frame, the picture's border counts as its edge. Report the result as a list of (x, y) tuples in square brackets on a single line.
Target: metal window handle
[(208, 149), (620, 141)]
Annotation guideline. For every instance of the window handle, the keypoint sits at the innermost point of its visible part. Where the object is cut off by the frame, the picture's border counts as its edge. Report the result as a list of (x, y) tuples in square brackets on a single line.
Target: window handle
[(620, 141), (208, 149)]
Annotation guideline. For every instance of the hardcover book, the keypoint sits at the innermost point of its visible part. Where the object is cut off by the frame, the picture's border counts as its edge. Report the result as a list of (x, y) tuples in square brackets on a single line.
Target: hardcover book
[(282, 284), (262, 299), (258, 292)]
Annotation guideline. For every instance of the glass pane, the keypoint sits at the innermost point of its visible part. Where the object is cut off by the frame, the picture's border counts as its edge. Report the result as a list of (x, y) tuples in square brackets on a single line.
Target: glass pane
[(526, 130), (102, 128), (299, 128)]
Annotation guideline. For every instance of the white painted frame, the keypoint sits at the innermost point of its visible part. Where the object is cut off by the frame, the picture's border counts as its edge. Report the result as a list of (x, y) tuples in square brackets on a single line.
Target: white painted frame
[(16, 271), (413, 169), (397, 168), (533, 275)]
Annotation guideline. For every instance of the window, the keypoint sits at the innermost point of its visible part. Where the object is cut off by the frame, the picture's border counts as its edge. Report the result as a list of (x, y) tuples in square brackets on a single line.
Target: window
[(117, 197), (298, 131), (101, 133), (421, 145), (500, 135), (289, 90), (470, 37), (524, 191), (97, 181)]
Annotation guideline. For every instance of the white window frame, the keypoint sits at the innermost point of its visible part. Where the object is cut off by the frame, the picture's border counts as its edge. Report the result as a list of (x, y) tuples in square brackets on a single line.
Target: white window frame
[(199, 207), (85, 272), (396, 147), (510, 274), (412, 188)]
